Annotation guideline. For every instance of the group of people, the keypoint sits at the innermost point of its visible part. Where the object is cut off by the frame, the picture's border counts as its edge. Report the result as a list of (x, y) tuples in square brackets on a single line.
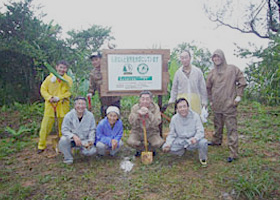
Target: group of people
[(223, 88)]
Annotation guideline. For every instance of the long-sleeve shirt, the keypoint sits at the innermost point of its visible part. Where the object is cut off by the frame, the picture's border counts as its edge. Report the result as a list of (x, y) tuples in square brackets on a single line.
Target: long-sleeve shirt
[(59, 89), (191, 87), (105, 133), (152, 120), (84, 129), (184, 128)]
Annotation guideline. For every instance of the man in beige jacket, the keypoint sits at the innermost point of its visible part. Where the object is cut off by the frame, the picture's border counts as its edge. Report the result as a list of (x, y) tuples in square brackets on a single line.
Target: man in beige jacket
[(225, 86), (146, 110)]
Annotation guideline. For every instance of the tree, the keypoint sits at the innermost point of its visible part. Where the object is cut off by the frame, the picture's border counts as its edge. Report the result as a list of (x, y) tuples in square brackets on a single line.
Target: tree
[(25, 43), (260, 17)]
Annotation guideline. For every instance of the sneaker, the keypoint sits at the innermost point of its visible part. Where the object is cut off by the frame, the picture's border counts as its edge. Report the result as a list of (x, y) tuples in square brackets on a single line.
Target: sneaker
[(137, 154), (214, 144), (203, 162), (230, 159), (68, 162), (40, 151)]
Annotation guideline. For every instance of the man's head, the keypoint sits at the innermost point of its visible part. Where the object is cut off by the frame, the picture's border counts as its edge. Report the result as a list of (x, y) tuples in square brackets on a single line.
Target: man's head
[(61, 67), (113, 113), (185, 58), (218, 58), (146, 98), (95, 58), (80, 104), (182, 107)]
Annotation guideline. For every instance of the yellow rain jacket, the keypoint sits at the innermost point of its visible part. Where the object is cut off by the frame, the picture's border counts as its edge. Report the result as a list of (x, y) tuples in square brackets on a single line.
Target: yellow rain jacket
[(59, 89)]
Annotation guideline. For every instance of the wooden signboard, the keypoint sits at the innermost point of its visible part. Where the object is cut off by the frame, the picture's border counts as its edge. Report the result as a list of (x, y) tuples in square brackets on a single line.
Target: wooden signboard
[(129, 71)]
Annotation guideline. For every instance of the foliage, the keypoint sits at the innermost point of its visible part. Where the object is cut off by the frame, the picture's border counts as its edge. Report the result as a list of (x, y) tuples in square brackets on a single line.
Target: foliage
[(17, 134), (263, 75), (26, 43)]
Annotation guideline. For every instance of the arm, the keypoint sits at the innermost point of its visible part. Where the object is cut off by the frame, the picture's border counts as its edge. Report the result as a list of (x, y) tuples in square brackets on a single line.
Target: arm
[(241, 83), (199, 130), (209, 85), (100, 136), (44, 89), (118, 130), (67, 127), (202, 89), (92, 86), (92, 130), (154, 119), (172, 133), (174, 90), (134, 118), (66, 93)]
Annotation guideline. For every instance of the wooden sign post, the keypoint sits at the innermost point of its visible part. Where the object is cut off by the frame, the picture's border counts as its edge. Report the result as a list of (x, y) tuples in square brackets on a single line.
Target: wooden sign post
[(129, 71)]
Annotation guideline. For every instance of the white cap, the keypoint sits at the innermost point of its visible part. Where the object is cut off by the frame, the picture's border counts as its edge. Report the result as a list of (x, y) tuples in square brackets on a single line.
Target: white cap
[(113, 109)]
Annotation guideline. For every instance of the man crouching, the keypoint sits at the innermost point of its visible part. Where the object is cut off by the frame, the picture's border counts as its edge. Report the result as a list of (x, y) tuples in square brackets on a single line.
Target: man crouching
[(186, 132), (145, 113), (78, 130)]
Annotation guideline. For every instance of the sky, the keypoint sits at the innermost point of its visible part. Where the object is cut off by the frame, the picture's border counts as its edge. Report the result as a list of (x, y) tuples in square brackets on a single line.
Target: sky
[(148, 24)]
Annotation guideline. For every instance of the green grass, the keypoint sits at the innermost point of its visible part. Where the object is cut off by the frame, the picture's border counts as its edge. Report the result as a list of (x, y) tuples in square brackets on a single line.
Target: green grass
[(26, 175)]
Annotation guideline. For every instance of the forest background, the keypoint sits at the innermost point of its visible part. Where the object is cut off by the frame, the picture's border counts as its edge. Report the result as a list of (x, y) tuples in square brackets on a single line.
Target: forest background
[(26, 43)]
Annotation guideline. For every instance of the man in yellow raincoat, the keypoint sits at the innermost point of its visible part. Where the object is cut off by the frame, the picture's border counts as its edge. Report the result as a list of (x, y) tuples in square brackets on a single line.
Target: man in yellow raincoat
[(56, 94)]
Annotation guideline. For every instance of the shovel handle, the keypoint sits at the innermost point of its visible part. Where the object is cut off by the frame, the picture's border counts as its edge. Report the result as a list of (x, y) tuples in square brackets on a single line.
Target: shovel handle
[(89, 103), (145, 135)]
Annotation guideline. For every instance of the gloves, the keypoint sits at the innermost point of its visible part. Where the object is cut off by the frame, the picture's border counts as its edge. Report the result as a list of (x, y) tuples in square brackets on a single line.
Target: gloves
[(237, 100), (204, 115), (53, 79), (55, 99), (89, 95)]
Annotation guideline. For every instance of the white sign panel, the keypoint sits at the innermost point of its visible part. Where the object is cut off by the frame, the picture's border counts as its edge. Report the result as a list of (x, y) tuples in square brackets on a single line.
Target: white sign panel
[(134, 72)]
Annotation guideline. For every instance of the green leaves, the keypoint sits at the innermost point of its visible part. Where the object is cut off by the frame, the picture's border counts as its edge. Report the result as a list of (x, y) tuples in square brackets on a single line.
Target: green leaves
[(52, 70)]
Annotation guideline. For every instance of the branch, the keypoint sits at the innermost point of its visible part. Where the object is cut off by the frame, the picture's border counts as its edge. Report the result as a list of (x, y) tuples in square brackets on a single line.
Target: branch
[(241, 30)]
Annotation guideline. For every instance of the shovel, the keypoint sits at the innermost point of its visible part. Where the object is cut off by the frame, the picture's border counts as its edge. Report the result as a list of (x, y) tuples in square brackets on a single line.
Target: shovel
[(146, 156), (55, 139)]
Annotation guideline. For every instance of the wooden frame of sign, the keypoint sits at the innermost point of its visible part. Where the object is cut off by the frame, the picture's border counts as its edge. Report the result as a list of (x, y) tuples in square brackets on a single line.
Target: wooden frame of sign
[(126, 72)]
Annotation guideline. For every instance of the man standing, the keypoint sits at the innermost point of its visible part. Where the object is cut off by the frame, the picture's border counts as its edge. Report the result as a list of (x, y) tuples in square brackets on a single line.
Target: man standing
[(78, 130), (186, 132), (148, 113), (56, 94), (189, 83), (95, 81), (225, 86)]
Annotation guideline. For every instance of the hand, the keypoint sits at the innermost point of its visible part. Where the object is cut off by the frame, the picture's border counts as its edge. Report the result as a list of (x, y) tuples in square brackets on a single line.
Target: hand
[(166, 148), (237, 100), (89, 95), (77, 141), (53, 79), (114, 144), (193, 140), (55, 99), (143, 110)]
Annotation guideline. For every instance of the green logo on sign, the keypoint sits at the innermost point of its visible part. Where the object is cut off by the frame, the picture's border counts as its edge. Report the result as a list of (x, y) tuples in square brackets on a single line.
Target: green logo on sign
[(142, 68)]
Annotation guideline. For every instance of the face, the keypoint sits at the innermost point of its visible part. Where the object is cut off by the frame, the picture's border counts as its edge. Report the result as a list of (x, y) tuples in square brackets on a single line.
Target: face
[(96, 61), (112, 118), (217, 60), (185, 59), (145, 100), (182, 108), (61, 69), (80, 106)]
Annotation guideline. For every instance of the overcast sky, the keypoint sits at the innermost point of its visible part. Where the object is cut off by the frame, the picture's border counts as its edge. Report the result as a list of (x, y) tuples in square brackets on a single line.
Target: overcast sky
[(149, 23)]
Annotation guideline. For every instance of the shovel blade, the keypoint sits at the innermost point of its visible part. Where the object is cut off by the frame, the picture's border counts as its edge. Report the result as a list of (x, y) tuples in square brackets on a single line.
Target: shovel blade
[(147, 157), (55, 144)]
